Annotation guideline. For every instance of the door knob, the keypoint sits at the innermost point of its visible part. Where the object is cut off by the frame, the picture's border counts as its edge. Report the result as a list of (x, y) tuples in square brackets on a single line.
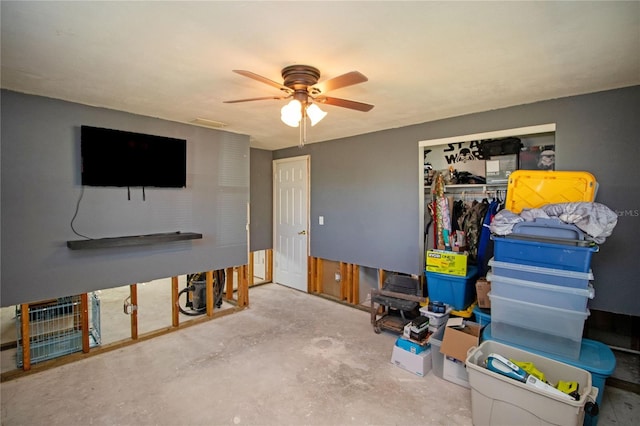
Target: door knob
[(303, 232)]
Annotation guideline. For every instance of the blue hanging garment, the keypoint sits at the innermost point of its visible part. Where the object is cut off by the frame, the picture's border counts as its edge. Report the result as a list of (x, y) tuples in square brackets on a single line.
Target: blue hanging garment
[(485, 245)]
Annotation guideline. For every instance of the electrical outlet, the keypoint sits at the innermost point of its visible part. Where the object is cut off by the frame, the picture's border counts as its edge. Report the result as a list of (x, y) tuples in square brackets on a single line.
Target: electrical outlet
[(320, 220)]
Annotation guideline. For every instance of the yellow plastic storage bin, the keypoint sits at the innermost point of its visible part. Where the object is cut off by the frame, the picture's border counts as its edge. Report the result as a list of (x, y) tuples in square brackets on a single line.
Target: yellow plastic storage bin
[(535, 188)]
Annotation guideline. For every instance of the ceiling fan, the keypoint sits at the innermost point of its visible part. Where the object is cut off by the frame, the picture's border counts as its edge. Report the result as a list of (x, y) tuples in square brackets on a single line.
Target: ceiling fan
[(302, 87)]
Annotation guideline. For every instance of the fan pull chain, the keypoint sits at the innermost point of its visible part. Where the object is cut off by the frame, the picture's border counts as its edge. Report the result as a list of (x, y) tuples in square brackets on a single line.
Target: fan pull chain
[(303, 129)]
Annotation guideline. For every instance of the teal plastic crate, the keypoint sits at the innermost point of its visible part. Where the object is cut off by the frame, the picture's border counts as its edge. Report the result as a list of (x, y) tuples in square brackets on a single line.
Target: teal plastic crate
[(457, 292)]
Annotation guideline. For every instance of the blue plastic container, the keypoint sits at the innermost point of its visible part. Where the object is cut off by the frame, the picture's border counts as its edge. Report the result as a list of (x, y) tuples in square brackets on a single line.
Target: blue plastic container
[(457, 292), (595, 357), (482, 316), (541, 275), (545, 255), (410, 346)]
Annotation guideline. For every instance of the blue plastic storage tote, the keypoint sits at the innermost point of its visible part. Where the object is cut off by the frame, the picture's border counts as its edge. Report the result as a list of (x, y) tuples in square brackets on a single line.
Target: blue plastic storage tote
[(483, 316), (457, 292), (595, 357), (546, 255)]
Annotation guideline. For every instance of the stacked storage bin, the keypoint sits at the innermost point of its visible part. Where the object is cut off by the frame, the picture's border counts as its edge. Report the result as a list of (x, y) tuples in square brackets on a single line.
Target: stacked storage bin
[(541, 273), (541, 279), (539, 307)]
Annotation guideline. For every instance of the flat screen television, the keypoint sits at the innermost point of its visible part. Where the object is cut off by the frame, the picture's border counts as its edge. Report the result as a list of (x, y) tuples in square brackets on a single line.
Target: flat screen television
[(120, 158)]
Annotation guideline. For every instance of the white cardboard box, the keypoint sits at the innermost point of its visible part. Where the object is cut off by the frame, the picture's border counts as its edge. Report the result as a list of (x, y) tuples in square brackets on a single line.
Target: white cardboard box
[(419, 364), (455, 372)]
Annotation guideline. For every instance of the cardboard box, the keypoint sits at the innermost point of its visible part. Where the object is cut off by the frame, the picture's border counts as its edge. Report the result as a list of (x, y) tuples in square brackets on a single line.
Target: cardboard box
[(483, 287), (447, 262), (499, 167), (418, 364), (456, 343), (455, 371)]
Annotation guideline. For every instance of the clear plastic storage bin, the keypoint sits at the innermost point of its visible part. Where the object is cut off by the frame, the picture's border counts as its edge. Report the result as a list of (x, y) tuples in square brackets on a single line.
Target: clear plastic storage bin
[(539, 327), (437, 358), (555, 296)]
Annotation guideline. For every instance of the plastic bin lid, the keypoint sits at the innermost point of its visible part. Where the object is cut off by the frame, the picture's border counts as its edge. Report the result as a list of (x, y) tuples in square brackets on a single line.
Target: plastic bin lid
[(426, 312), (550, 288), (595, 357), (540, 270), (536, 244), (548, 227), (472, 271), (535, 188)]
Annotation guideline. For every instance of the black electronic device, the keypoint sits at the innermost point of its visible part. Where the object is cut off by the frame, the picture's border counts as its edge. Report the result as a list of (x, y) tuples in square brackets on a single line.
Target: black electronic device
[(437, 307), (504, 146), (419, 335), (128, 159), (420, 322)]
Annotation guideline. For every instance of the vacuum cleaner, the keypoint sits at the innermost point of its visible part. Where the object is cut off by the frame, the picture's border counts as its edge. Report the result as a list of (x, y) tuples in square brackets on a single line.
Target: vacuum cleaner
[(196, 293)]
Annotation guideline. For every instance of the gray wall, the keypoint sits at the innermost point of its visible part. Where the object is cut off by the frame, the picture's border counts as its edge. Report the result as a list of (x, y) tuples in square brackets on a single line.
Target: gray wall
[(261, 196), (41, 188), (366, 186)]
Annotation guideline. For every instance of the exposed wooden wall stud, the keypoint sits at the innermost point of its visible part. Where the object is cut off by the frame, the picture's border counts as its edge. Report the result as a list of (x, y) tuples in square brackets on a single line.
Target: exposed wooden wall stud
[(209, 284), (269, 265), (175, 311), (250, 271), (26, 337), (133, 290), (84, 319)]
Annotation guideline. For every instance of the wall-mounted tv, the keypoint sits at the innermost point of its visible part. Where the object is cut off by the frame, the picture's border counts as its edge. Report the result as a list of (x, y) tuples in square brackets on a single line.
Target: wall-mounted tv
[(120, 158)]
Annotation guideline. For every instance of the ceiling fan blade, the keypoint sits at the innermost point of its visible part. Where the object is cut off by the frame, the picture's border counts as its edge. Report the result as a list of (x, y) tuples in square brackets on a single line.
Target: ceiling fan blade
[(263, 80), (344, 103), (344, 80), (235, 101)]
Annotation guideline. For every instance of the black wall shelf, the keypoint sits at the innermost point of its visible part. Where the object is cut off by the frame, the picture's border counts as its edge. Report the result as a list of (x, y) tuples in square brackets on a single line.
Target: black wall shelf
[(134, 240)]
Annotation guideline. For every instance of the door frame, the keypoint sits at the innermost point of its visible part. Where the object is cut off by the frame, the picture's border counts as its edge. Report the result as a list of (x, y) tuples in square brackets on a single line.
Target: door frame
[(518, 131), (307, 158)]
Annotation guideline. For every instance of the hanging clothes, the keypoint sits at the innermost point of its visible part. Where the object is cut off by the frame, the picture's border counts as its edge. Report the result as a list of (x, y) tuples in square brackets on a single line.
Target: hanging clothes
[(485, 244), (457, 215), (472, 225), (443, 220)]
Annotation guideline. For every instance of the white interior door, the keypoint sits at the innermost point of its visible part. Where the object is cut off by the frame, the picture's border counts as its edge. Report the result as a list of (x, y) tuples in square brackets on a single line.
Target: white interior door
[(291, 221)]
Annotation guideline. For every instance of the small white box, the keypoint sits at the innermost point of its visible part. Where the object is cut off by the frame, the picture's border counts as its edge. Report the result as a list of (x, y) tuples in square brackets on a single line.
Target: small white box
[(406, 331), (418, 364), (455, 372)]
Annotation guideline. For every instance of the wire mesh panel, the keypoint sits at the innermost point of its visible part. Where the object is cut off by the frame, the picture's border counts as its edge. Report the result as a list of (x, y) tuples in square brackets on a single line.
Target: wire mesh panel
[(55, 328), (94, 321)]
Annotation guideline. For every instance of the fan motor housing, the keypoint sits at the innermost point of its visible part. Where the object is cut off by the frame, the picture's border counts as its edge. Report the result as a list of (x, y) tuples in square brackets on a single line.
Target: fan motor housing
[(300, 77)]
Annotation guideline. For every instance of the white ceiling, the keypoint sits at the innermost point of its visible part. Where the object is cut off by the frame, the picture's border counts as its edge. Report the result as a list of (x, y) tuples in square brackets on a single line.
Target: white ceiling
[(424, 60)]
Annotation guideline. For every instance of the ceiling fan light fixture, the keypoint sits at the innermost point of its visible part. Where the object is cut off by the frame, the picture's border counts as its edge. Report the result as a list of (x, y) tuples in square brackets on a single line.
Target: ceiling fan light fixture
[(315, 114), (291, 113)]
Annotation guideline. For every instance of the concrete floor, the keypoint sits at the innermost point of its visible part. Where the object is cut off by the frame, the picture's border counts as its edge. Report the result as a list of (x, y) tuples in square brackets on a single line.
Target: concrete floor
[(290, 359)]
